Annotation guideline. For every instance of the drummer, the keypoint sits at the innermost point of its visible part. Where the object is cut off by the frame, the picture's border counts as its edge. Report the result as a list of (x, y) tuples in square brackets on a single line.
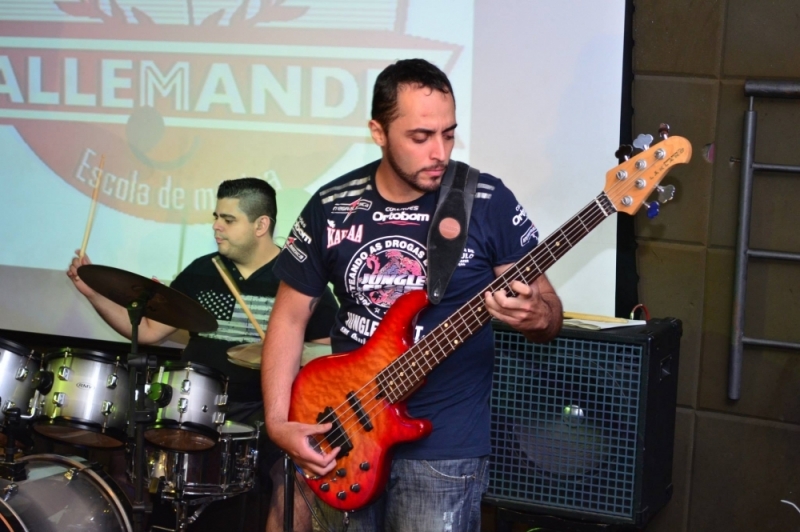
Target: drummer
[(244, 223)]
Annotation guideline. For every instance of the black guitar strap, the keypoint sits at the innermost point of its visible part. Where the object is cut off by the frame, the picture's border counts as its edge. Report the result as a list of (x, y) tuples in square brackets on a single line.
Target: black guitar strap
[(448, 232)]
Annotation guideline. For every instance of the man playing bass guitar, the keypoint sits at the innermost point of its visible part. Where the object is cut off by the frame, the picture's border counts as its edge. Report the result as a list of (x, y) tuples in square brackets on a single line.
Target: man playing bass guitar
[(366, 233)]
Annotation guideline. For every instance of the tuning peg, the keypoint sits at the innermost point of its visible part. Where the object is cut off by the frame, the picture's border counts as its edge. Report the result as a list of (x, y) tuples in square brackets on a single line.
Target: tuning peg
[(624, 152), (643, 142), (653, 208), (665, 193), (663, 131)]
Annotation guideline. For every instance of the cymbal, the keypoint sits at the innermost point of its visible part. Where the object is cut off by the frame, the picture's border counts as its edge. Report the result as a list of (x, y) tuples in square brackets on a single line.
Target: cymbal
[(249, 355), (165, 305)]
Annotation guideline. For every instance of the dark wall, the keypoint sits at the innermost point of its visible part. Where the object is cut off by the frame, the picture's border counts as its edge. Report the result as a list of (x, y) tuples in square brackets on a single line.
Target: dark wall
[(734, 461)]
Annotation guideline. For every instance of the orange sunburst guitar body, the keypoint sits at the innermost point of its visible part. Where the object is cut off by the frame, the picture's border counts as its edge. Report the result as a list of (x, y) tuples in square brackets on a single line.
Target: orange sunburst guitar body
[(362, 392), (373, 425)]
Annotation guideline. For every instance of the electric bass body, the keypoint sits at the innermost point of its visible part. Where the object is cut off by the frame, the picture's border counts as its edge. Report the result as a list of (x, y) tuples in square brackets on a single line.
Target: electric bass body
[(346, 389)]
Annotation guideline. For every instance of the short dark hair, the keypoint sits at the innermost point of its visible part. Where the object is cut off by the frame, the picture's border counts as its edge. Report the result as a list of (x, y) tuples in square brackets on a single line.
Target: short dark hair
[(256, 198), (416, 72)]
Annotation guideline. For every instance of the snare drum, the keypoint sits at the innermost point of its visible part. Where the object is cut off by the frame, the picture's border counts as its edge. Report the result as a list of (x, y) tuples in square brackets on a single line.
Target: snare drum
[(228, 469), (62, 494), (191, 400), (18, 365), (84, 399)]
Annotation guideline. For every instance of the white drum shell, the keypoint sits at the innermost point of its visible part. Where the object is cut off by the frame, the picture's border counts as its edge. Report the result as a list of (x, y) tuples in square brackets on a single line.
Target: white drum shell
[(16, 381), (203, 394), (86, 391)]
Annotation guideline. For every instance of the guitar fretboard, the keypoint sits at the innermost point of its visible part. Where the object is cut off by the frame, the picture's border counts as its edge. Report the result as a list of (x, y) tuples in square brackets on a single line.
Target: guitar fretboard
[(408, 370)]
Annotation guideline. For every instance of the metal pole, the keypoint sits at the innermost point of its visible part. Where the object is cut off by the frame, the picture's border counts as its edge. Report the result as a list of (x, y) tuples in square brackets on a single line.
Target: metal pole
[(288, 494), (742, 245)]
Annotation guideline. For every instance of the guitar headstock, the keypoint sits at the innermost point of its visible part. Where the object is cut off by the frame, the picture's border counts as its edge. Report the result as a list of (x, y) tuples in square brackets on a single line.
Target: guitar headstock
[(630, 184)]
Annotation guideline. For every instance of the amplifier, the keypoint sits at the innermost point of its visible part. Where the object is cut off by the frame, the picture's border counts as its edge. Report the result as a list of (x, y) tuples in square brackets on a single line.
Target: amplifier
[(583, 426)]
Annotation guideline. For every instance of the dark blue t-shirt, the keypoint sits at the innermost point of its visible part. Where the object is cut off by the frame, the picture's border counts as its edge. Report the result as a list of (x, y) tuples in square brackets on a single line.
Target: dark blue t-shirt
[(372, 251)]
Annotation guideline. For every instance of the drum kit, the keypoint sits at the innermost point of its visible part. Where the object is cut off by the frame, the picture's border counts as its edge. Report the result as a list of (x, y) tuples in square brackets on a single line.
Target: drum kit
[(169, 416)]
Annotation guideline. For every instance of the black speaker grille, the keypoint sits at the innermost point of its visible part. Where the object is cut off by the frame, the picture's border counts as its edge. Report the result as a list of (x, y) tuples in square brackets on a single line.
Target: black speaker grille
[(565, 423)]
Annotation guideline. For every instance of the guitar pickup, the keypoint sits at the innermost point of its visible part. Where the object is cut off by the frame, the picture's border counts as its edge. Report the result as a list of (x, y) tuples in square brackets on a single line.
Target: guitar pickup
[(363, 417), (336, 437)]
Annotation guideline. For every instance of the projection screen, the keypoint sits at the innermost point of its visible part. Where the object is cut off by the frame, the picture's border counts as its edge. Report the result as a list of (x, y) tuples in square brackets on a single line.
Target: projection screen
[(174, 96)]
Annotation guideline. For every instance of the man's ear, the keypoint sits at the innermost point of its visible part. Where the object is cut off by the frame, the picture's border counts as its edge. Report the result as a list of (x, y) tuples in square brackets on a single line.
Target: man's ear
[(378, 134), (262, 225)]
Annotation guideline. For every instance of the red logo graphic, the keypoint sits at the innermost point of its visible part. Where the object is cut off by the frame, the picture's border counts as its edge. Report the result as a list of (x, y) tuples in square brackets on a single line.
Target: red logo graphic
[(178, 99)]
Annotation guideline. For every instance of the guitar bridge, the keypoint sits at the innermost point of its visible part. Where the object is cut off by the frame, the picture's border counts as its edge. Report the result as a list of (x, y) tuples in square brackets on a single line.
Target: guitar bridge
[(336, 437)]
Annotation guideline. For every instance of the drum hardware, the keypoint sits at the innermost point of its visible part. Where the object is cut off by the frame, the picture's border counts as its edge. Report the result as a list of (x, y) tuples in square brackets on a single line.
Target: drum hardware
[(288, 493), (10, 469), (144, 297), (182, 516)]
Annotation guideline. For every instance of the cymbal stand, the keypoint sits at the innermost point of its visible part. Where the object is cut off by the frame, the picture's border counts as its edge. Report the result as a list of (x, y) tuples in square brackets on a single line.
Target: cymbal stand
[(182, 517), (288, 493), (139, 415)]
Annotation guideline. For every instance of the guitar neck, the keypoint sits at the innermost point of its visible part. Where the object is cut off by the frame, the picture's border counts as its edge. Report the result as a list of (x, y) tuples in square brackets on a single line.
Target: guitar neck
[(408, 370)]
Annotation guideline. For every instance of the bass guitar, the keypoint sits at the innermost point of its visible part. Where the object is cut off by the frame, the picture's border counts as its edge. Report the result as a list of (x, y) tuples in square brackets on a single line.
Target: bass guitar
[(362, 393)]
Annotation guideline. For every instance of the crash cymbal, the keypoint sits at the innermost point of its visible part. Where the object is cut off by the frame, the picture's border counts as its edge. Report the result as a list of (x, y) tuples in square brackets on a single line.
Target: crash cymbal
[(249, 355), (164, 304)]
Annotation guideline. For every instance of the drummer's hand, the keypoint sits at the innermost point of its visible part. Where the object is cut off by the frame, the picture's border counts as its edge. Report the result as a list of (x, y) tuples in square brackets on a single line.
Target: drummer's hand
[(294, 439), (72, 273)]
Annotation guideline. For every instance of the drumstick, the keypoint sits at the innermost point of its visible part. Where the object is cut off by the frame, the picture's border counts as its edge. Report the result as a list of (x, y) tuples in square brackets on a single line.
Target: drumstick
[(228, 278), (91, 208)]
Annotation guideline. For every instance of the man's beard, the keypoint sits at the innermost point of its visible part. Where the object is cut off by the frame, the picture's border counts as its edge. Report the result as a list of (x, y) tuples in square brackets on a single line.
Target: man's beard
[(413, 180)]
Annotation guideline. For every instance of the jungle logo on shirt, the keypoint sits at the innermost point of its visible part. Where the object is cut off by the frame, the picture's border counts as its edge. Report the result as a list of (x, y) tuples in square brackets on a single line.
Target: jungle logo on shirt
[(383, 270)]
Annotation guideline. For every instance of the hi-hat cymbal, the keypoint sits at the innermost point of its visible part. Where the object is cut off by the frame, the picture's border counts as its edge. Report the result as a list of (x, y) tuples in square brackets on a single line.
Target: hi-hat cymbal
[(249, 355), (164, 304)]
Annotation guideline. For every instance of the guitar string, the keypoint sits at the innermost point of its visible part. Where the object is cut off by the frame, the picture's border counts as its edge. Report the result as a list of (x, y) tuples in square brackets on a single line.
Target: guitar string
[(595, 218)]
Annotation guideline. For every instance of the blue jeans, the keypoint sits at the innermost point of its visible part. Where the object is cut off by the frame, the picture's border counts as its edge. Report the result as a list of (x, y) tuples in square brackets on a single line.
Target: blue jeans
[(422, 496)]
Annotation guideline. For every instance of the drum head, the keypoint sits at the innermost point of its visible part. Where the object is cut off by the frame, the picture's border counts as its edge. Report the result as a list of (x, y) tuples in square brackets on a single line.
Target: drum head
[(79, 433), (197, 368), (237, 429), (186, 437)]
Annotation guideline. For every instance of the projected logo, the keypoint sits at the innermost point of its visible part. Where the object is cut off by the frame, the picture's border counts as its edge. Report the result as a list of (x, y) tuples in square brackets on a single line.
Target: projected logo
[(178, 95)]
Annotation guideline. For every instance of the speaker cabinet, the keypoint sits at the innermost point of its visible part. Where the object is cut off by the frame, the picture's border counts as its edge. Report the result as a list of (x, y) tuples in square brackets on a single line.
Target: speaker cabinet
[(583, 426)]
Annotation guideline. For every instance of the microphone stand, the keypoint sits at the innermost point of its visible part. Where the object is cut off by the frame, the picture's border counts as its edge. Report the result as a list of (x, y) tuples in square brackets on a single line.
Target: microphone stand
[(139, 415)]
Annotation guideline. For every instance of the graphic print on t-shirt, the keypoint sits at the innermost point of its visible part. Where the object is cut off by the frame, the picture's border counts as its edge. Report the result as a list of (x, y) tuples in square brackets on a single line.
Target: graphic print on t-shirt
[(384, 269), (232, 322)]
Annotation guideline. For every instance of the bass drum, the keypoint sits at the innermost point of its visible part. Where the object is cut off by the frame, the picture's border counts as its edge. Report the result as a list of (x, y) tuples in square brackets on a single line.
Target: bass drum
[(62, 494)]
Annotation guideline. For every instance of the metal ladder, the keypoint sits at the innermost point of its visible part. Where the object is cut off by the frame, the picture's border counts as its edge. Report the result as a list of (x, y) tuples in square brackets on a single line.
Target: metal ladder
[(753, 89)]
